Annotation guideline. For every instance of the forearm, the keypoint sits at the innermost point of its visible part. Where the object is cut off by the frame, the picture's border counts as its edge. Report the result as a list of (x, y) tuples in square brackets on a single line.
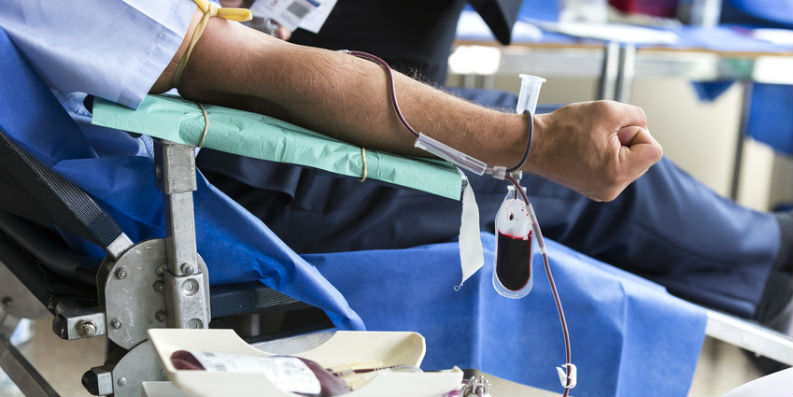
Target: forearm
[(595, 148), (340, 95)]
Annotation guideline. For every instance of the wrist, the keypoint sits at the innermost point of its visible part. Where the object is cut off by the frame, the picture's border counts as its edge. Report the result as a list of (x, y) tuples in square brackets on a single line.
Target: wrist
[(165, 80), (507, 142), (533, 163)]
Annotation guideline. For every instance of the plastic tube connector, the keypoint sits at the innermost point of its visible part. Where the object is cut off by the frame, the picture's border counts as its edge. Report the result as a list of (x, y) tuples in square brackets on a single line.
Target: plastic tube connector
[(529, 92), (451, 154), (497, 171)]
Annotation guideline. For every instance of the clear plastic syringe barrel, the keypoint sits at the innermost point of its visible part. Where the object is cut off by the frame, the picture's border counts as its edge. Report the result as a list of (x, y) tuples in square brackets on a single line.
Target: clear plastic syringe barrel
[(529, 92)]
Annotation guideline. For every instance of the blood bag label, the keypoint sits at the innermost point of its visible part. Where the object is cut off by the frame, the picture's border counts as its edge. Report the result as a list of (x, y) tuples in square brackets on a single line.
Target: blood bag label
[(286, 373)]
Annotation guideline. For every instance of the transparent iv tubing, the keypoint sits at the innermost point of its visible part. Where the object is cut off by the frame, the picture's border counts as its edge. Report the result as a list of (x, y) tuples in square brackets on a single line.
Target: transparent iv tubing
[(392, 89), (570, 379), (541, 245)]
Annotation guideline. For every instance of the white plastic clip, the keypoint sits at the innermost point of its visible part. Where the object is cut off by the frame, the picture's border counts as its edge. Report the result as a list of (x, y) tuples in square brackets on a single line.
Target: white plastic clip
[(496, 171), (571, 374)]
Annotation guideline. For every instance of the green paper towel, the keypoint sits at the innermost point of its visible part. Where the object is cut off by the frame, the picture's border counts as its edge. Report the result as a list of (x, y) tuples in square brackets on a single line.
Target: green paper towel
[(263, 137)]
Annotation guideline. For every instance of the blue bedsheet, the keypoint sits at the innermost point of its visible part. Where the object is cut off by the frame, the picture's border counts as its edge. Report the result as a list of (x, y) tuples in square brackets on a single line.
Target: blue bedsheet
[(629, 336)]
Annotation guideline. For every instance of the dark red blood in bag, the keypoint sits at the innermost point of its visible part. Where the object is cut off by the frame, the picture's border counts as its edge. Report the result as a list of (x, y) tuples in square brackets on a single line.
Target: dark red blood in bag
[(183, 359), (513, 261)]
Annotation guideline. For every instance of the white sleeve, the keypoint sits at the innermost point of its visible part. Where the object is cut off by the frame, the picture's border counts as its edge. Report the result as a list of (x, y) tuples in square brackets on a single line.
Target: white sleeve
[(114, 49)]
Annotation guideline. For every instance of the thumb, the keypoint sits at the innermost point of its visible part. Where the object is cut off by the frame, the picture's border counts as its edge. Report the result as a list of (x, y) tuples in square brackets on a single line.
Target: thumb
[(639, 148)]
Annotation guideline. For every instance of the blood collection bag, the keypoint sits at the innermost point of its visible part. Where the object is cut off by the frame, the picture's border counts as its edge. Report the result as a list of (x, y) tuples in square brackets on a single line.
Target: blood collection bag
[(512, 275)]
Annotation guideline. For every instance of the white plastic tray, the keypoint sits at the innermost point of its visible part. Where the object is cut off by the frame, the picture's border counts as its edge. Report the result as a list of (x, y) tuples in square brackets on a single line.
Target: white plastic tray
[(390, 348)]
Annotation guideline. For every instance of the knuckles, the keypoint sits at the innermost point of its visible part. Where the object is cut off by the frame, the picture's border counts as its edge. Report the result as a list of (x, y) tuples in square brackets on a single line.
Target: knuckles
[(603, 107), (658, 154)]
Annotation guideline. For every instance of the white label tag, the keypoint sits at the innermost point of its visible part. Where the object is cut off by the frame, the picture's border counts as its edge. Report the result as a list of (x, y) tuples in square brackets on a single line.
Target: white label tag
[(288, 13), (314, 21), (286, 373), (471, 255)]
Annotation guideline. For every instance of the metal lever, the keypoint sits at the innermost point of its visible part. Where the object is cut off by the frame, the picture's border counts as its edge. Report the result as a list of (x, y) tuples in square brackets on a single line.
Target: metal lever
[(186, 292)]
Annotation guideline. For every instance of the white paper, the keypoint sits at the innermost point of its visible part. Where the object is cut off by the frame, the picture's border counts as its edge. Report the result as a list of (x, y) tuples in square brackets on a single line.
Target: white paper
[(314, 21), (471, 256), (286, 373)]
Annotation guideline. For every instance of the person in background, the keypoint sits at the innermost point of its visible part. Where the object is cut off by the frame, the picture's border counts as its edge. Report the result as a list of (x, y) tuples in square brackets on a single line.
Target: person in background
[(648, 230)]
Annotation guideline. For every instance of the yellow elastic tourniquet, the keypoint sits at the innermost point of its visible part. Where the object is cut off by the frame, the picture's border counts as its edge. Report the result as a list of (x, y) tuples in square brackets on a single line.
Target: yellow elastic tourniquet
[(365, 171), (206, 125), (210, 10)]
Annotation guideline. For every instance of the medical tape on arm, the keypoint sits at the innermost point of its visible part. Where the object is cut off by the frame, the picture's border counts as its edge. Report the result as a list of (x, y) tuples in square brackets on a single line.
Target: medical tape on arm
[(470, 244), (210, 10), (363, 158)]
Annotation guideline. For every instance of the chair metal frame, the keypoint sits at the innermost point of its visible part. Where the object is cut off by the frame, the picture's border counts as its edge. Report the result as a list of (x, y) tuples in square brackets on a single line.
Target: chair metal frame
[(150, 284)]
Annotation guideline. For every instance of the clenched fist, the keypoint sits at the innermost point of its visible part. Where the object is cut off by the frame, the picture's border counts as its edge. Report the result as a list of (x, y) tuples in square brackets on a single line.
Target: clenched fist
[(595, 148)]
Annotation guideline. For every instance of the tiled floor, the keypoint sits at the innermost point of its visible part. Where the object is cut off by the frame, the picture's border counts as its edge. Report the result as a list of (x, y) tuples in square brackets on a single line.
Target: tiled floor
[(721, 367)]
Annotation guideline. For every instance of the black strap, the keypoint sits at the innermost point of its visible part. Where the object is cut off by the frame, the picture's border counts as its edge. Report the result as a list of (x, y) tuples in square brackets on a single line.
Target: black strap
[(241, 298), (60, 201)]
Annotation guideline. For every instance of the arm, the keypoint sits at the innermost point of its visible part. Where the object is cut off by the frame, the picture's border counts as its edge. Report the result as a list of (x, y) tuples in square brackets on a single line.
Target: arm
[(582, 146)]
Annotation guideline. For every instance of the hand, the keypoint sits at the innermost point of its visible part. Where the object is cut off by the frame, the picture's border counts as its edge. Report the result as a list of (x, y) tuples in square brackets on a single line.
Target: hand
[(595, 148), (236, 3), (280, 32)]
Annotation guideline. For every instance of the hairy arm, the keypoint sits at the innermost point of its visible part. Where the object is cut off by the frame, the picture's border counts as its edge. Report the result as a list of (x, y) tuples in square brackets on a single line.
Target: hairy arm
[(583, 146)]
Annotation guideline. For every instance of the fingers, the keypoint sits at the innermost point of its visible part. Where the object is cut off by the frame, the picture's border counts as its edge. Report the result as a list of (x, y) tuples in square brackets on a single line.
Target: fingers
[(280, 32), (634, 135), (621, 113), (231, 3), (628, 115), (283, 33), (596, 148), (638, 142), (639, 151)]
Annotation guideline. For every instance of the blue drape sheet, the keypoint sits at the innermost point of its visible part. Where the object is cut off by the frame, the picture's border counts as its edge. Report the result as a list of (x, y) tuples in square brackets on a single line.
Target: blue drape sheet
[(629, 336), (118, 171)]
